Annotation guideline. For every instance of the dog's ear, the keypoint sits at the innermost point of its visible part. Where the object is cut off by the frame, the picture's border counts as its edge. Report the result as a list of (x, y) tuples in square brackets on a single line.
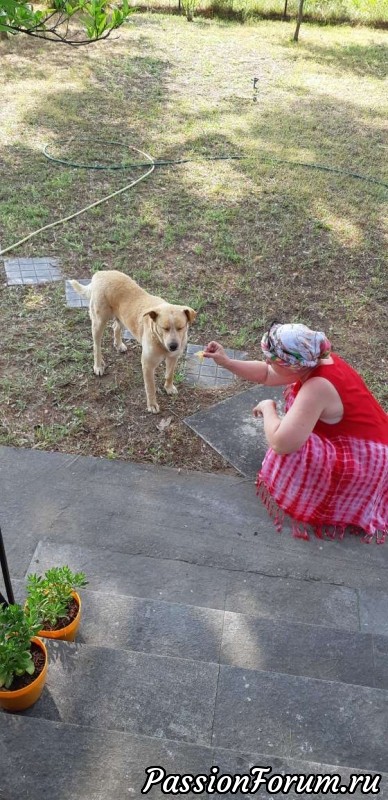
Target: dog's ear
[(151, 313), (190, 314)]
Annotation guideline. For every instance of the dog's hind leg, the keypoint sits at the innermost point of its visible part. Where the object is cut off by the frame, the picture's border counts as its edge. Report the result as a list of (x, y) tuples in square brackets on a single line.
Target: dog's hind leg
[(98, 325), (118, 343)]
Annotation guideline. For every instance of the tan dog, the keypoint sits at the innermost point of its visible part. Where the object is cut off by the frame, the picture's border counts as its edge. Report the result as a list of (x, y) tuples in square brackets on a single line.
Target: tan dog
[(161, 328)]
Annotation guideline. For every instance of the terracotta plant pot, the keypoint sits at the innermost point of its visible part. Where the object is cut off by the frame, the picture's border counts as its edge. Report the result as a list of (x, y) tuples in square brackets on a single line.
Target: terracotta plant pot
[(67, 633), (23, 698)]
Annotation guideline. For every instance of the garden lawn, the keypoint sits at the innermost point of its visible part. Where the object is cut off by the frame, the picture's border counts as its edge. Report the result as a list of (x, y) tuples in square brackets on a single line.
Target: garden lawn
[(242, 241)]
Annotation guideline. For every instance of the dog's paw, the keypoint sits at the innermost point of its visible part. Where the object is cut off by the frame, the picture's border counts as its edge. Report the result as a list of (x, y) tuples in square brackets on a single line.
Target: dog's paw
[(121, 348), (170, 389), (153, 408), (99, 370)]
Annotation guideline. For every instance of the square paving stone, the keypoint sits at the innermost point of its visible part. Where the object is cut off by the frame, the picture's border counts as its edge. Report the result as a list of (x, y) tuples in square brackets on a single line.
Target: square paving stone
[(232, 430), (73, 299), (207, 372), (27, 271)]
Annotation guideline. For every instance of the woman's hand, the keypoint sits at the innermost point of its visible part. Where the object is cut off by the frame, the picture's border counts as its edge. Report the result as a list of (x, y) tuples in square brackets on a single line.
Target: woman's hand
[(261, 407), (215, 351)]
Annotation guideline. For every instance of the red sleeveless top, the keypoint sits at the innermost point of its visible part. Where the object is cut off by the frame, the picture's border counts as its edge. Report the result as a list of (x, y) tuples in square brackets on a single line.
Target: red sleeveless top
[(363, 417)]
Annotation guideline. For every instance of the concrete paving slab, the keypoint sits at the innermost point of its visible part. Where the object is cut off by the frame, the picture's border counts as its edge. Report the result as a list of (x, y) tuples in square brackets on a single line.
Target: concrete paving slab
[(151, 626), (206, 372), (303, 718), (29, 271), (299, 649), (232, 430), (297, 601), (98, 687)]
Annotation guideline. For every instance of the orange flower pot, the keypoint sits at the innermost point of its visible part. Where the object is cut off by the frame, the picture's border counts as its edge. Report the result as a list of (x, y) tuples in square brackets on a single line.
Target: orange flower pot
[(67, 633), (21, 699)]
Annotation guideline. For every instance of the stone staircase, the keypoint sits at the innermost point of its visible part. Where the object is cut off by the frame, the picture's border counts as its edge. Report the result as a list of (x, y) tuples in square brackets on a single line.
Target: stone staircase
[(207, 639)]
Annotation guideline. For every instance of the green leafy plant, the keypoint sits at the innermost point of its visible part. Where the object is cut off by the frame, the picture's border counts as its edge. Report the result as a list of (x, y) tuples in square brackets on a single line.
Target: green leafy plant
[(49, 596), (98, 18), (16, 631)]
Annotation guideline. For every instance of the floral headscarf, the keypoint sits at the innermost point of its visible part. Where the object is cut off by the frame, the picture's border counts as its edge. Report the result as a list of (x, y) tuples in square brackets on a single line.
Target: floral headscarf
[(294, 345)]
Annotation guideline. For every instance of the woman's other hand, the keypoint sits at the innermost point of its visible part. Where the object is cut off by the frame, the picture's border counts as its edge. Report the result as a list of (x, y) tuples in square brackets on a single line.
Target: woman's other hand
[(259, 410)]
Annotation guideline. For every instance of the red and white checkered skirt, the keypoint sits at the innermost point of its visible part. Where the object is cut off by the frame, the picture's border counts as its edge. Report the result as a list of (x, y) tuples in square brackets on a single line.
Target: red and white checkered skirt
[(328, 486)]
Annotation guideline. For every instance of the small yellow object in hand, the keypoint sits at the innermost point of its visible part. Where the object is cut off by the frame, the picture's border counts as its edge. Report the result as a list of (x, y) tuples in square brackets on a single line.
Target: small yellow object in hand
[(200, 355)]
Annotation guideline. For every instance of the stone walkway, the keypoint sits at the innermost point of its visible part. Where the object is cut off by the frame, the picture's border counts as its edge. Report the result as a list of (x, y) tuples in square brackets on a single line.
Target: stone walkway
[(207, 638)]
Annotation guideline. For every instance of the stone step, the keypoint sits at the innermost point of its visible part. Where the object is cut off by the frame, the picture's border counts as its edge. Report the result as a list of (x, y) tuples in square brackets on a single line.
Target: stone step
[(221, 706), (91, 764), (204, 519), (202, 634), (286, 599)]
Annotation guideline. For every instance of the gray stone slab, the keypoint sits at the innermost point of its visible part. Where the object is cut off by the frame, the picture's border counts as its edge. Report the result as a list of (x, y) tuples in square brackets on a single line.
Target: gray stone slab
[(231, 763), (308, 602), (99, 687), (349, 562), (137, 576), (295, 649), (28, 271), (213, 520), (108, 764), (206, 372), (90, 764), (374, 611), (380, 652), (303, 718), (151, 626), (232, 430)]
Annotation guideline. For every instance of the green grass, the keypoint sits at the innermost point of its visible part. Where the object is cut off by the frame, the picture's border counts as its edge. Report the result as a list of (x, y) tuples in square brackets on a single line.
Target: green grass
[(364, 12), (242, 241)]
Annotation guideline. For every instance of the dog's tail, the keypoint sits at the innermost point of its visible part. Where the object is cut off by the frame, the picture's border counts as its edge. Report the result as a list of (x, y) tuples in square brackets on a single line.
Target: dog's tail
[(85, 291)]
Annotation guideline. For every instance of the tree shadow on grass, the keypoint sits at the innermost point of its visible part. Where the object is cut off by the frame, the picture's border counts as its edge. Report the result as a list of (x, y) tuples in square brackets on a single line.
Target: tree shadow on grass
[(362, 60)]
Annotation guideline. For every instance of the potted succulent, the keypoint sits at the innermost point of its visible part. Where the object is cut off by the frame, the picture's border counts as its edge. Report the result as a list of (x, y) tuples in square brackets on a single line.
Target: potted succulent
[(53, 598), (23, 659)]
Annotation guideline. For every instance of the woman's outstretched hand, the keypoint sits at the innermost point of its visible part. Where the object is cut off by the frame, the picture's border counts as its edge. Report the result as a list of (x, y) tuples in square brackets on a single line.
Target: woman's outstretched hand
[(215, 351)]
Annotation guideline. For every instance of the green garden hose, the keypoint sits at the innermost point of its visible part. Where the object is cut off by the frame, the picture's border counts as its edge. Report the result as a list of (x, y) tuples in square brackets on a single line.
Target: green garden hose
[(164, 163)]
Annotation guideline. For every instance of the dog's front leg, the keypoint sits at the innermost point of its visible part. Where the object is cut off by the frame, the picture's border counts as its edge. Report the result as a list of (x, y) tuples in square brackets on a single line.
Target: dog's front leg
[(171, 362), (149, 364)]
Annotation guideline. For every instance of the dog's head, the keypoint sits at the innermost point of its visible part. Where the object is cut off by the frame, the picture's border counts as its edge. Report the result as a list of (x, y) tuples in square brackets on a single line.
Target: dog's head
[(170, 324)]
